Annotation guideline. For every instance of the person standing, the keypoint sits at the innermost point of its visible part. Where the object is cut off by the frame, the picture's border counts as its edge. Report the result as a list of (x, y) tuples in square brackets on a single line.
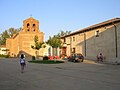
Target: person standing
[(22, 62)]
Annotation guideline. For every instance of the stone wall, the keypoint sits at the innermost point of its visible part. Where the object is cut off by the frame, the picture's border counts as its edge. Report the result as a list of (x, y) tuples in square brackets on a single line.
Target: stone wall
[(91, 45)]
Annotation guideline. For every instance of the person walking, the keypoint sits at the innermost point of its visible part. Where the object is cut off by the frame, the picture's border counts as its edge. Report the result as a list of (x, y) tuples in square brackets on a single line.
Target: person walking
[(22, 62)]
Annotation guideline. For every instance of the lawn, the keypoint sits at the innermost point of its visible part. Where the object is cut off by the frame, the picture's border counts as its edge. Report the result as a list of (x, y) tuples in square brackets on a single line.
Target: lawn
[(46, 61)]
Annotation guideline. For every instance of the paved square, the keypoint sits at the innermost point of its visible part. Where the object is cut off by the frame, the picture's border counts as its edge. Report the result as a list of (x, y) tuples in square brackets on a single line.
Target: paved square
[(66, 76)]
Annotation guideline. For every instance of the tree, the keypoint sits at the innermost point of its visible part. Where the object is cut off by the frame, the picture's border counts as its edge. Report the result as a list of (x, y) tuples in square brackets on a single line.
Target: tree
[(13, 31), (38, 44), (7, 34), (55, 41), (3, 37), (62, 33)]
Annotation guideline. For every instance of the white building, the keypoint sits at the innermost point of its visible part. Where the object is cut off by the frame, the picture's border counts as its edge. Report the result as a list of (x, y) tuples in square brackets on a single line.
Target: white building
[(3, 50)]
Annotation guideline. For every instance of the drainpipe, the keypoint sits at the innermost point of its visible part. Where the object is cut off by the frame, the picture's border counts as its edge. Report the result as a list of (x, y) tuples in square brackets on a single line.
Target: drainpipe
[(116, 51), (85, 42), (70, 45)]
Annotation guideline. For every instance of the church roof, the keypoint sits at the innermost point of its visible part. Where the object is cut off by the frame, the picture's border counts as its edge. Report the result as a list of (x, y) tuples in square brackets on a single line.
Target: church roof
[(15, 35), (102, 24)]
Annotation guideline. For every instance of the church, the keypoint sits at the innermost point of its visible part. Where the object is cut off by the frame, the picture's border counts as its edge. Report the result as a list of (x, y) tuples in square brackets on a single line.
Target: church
[(22, 41)]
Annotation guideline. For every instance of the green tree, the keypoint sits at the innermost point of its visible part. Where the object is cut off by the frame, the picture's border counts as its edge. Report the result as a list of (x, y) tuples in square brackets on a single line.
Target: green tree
[(3, 37), (38, 44), (55, 41), (62, 33), (13, 31), (7, 34)]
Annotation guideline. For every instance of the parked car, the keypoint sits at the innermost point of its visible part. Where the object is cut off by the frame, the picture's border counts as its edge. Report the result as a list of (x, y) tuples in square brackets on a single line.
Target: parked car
[(76, 57)]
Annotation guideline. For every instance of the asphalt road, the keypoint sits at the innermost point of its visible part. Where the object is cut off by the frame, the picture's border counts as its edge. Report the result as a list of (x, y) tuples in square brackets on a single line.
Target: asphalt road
[(66, 76)]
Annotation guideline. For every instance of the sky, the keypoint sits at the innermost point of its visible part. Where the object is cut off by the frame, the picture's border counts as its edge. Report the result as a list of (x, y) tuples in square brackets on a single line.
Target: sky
[(57, 15)]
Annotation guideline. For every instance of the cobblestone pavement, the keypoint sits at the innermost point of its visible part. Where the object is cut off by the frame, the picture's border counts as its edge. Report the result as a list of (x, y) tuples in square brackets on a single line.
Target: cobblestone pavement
[(66, 76)]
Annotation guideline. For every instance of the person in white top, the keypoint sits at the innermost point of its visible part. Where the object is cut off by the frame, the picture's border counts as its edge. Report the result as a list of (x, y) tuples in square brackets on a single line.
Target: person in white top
[(22, 62)]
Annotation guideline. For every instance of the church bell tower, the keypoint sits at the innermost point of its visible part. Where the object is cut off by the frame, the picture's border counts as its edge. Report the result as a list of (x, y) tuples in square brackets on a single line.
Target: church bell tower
[(30, 25)]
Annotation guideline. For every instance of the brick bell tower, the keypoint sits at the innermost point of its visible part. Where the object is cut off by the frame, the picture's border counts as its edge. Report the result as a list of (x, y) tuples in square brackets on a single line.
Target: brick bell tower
[(30, 25)]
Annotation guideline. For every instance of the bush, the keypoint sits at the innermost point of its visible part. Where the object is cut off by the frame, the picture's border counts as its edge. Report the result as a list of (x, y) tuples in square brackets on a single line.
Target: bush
[(45, 58), (46, 61), (5, 56)]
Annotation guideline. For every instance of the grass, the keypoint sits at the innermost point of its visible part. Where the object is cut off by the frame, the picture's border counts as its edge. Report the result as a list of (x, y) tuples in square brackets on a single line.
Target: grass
[(46, 61)]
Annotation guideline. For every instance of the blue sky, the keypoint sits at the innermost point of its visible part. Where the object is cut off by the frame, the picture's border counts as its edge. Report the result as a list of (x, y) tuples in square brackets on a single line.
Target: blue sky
[(57, 15)]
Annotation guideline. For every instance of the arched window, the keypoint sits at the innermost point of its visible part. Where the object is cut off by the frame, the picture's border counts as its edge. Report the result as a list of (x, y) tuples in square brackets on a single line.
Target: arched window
[(97, 33), (73, 38), (28, 25), (28, 30), (33, 25), (33, 29)]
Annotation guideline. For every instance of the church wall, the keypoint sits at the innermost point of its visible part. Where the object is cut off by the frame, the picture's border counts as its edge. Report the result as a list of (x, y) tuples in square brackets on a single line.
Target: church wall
[(9, 44), (118, 39), (104, 43), (16, 46), (26, 40)]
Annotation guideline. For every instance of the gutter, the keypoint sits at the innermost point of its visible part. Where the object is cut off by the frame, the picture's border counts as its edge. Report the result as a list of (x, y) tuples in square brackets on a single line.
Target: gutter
[(116, 48)]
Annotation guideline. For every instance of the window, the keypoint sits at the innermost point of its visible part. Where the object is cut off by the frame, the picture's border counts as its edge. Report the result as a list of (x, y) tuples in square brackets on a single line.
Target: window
[(28, 30), (28, 25), (73, 50), (33, 29), (97, 33), (33, 25), (64, 39), (73, 38)]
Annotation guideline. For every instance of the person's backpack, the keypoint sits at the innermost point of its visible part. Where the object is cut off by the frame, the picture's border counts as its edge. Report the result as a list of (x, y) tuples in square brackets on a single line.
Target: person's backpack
[(22, 61)]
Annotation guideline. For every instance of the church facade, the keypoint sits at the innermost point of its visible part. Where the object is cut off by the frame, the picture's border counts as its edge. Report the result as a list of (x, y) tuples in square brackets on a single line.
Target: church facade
[(102, 38), (22, 42)]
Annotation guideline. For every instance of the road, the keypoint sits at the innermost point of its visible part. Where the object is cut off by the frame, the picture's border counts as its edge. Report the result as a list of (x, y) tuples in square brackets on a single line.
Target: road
[(66, 76)]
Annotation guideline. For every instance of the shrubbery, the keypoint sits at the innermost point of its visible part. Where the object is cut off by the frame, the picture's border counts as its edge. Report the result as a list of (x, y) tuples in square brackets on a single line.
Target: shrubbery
[(5, 56), (45, 58), (46, 61)]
